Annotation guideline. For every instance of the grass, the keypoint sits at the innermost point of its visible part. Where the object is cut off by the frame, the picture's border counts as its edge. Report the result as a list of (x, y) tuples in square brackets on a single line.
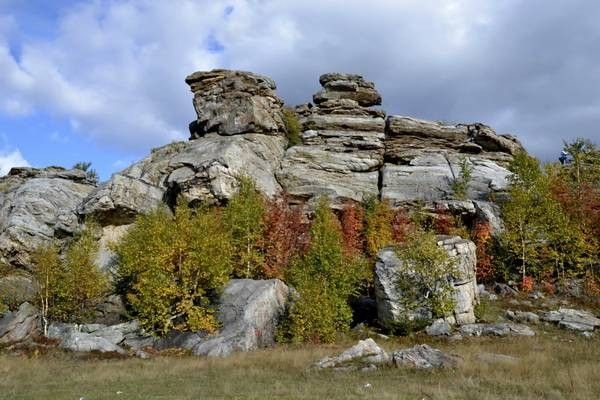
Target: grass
[(553, 365)]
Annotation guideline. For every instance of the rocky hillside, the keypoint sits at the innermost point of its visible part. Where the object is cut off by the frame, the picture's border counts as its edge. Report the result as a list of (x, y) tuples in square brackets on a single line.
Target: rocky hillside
[(349, 151)]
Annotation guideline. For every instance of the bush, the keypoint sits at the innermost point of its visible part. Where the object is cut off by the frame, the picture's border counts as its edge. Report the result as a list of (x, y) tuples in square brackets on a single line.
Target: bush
[(293, 128), (172, 267), (244, 218), (460, 184), (285, 236), (325, 278), (426, 275), (378, 225), (70, 289)]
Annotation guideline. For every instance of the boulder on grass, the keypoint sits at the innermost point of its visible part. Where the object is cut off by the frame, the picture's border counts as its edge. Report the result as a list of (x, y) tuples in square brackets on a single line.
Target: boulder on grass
[(365, 354), (576, 320), (423, 357), (19, 325)]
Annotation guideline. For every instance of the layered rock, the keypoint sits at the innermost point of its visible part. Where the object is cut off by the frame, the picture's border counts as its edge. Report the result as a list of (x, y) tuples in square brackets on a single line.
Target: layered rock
[(365, 354), (239, 131), (390, 309), (19, 325), (235, 102), (36, 207), (342, 143)]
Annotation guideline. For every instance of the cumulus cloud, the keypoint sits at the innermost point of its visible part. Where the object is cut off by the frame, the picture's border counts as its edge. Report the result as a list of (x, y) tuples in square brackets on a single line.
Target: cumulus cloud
[(115, 69), (9, 159)]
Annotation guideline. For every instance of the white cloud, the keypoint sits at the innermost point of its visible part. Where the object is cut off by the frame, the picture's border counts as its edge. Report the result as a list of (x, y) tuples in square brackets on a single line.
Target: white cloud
[(115, 69), (10, 159)]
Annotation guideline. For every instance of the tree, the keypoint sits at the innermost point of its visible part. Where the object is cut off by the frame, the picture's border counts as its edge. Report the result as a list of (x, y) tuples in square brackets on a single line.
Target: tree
[(173, 266), (378, 225), (81, 284), (352, 223), (285, 236), (69, 289), (293, 128), (244, 218), (460, 183), (325, 278), (425, 277), (90, 173), (47, 276)]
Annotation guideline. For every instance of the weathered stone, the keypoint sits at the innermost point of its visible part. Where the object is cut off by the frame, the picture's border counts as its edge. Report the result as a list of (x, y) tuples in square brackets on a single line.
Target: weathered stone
[(362, 355), (568, 318), (111, 311), (423, 357), (429, 177), (249, 311), (347, 86), (36, 207), (85, 342), (235, 102), (16, 289), (389, 298), (203, 170), (500, 329), (440, 327), (98, 337), (106, 259), (522, 316), (19, 325)]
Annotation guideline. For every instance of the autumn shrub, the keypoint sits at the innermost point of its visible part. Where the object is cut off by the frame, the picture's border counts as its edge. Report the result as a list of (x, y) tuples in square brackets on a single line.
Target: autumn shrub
[(425, 275), (402, 226), (69, 289), (172, 267), (293, 128), (527, 284), (244, 218), (285, 236), (352, 224), (325, 278), (482, 237), (378, 225)]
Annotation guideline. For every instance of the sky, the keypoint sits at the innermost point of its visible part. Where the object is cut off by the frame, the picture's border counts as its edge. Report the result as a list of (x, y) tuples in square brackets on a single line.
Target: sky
[(103, 80)]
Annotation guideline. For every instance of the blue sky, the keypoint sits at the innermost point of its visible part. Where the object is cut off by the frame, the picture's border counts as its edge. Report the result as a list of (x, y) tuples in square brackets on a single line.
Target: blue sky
[(103, 80)]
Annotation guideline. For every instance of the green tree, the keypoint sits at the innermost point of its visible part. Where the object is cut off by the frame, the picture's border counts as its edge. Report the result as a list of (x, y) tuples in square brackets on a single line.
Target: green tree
[(425, 275), (325, 278), (86, 167), (293, 128), (47, 273), (378, 225), (460, 183), (244, 217), (172, 267), (69, 289)]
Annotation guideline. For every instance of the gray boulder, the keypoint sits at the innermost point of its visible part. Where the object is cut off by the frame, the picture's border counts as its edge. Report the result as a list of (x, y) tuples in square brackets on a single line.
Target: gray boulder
[(500, 329), (439, 327), (423, 357), (203, 170), (17, 288), (19, 325), (85, 342), (36, 207), (522, 316), (364, 354), (568, 318), (235, 102), (389, 298), (249, 311)]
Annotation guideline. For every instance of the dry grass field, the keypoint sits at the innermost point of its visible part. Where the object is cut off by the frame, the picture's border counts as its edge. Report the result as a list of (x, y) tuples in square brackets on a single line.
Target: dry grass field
[(553, 365)]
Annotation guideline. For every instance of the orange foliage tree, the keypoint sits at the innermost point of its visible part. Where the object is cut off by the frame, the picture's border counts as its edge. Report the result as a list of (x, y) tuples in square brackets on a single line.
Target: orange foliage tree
[(352, 224)]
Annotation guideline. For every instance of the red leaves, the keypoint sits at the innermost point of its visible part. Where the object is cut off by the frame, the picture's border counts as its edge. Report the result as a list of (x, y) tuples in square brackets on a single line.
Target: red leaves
[(285, 235), (481, 236), (402, 226), (352, 223)]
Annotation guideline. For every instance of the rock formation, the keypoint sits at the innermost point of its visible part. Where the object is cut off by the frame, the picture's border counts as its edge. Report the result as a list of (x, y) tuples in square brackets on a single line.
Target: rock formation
[(390, 310), (239, 116), (37, 206), (342, 143)]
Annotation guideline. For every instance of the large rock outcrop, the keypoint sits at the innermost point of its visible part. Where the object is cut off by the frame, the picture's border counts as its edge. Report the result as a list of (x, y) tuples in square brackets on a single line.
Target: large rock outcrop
[(390, 309), (239, 131), (342, 143), (36, 207), (235, 102)]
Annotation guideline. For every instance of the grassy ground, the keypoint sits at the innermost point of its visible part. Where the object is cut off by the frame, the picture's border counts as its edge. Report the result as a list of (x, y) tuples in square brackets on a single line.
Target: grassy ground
[(552, 365)]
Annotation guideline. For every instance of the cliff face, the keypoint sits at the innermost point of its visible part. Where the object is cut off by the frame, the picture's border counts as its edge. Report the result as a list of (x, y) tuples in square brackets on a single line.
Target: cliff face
[(349, 151)]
